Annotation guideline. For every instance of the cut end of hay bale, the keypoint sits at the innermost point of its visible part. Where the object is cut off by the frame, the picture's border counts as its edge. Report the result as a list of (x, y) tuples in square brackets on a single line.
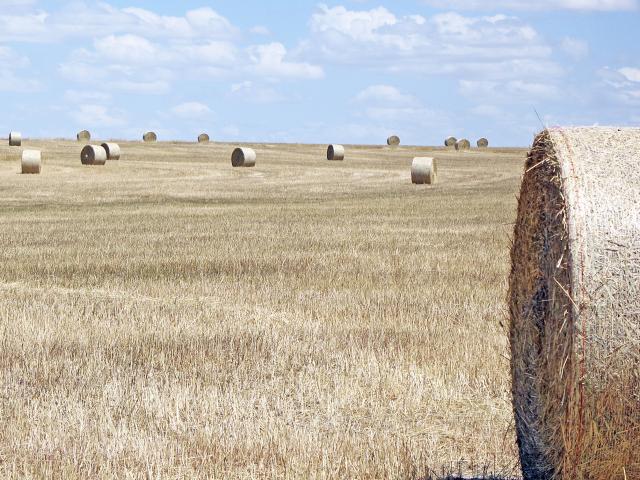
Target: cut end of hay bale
[(335, 152), (483, 143), (31, 162), (15, 139), (424, 171), (150, 137), (450, 142), (203, 138), (463, 144), (84, 136), (112, 149), (243, 157), (393, 141), (574, 302), (93, 155)]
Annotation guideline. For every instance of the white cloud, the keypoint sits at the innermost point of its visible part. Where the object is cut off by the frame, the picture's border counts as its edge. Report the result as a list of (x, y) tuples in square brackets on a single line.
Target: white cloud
[(384, 94), (575, 48), (127, 49), (598, 5), (248, 91), (98, 116), (631, 74), (269, 60), (191, 110)]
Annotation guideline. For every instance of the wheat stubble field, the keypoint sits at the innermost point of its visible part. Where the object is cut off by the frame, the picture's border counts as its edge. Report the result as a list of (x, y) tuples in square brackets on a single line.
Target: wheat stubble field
[(167, 316)]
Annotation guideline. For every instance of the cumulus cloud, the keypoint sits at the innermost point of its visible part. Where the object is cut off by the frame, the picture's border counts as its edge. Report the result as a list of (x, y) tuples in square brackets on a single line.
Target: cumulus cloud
[(270, 60), (191, 110)]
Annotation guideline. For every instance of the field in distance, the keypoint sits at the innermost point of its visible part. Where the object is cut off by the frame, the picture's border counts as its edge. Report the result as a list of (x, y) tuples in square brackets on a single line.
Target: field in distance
[(171, 317)]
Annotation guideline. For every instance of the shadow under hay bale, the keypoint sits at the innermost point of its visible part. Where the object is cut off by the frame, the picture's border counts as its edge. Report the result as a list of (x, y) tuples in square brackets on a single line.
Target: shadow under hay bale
[(574, 301), (335, 152)]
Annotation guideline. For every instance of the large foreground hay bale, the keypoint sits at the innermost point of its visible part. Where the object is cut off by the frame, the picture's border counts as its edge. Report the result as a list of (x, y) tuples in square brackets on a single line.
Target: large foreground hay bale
[(574, 301), (31, 162), (150, 137), (243, 157), (483, 143), (450, 142), (113, 150), (424, 170), (463, 144), (84, 136), (203, 138), (93, 155), (15, 139), (335, 152), (393, 141)]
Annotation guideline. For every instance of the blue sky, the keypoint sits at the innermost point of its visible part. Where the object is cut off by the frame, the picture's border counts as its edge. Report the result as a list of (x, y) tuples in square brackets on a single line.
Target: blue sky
[(343, 72)]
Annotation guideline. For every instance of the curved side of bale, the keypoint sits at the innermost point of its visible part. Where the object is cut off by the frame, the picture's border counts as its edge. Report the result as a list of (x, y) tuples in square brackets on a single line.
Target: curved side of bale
[(335, 152), (463, 144), (93, 155), (15, 139), (450, 142), (203, 138), (84, 136), (113, 150), (150, 137), (574, 301), (31, 162), (483, 143), (393, 141), (424, 170), (243, 157)]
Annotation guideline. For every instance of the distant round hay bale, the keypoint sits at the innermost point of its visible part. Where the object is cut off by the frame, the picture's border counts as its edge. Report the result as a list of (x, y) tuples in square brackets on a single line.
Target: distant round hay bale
[(203, 138), (335, 152), (31, 162), (84, 136), (15, 139), (424, 170), (450, 142), (243, 157), (93, 155), (113, 150), (483, 143), (574, 301), (150, 137), (463, 144), (393, 141)]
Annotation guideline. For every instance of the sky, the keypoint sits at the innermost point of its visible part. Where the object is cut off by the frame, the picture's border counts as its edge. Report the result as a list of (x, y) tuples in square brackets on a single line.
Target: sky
[(352, 71)]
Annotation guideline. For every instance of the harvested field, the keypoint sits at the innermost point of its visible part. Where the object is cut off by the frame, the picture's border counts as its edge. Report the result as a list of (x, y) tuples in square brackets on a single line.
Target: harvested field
[(170, 316)]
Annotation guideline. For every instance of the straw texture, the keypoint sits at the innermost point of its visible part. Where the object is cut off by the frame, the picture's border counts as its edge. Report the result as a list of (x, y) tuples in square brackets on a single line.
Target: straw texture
[(463, 144), (83, 136), (335, 152), (31, 162), (203, 138), (424, 170), (574, 301), (393, 141), (15, 139), (113, 150), (93, 155), (243, 157), (450, 142), (482, 143), (150, 137)]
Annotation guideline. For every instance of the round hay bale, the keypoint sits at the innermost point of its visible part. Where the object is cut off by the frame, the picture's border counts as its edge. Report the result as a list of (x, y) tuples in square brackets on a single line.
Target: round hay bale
[(93, 155), (483, 143), (31, 162), (424, 170), (203, 138), (335, 152), (15, 139), (463, 144), (243, 157), (113, 150), (450, 142), (84, 136), (150, 137), (393, 141), (574, 301)]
